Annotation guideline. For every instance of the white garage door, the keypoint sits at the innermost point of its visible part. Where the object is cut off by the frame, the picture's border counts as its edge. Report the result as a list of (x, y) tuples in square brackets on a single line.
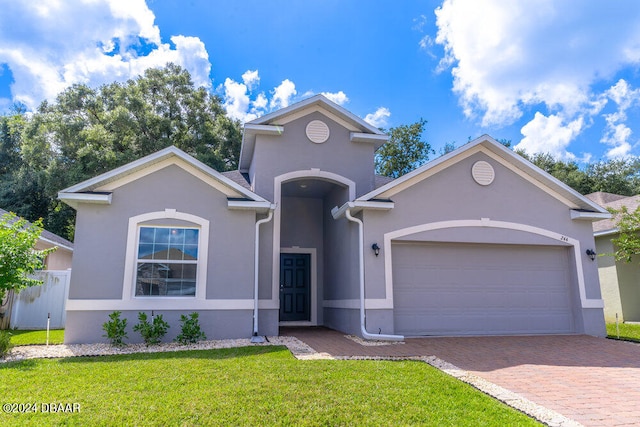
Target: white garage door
[(474, 289)]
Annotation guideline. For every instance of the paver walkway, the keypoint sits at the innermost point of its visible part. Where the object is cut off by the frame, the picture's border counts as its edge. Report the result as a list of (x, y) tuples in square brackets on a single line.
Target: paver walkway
[(595, 381)]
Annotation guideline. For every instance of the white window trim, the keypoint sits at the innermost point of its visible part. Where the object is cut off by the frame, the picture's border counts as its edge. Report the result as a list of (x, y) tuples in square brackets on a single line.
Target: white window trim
[(131, 254)]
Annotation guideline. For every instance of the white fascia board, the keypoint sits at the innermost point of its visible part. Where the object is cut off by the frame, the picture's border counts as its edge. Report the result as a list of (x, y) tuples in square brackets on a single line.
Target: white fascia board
[(589, 216), (250, 205), (606, 232), (377, 140), (129, 167), (96, 198), (59, 245), (320, 100), (357, 206), (151, 159), (264, 129)]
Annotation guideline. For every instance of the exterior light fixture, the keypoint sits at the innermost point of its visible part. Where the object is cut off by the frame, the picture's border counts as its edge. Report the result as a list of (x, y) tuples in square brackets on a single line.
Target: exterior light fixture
[(591, 254), (376, 249)]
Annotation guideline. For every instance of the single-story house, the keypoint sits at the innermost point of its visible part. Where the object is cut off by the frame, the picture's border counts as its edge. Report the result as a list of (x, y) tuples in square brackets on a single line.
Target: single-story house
[(56, 261), (61, 258), (476, 242), (619, 280)]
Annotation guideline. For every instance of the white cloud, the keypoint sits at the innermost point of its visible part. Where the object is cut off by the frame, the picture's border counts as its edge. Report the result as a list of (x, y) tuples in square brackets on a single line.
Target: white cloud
[(251, 79), (92, 42), (236, 101), (282, 94), (378, 118), (509, 57), (339, 98), (617, 134), (550, 135)]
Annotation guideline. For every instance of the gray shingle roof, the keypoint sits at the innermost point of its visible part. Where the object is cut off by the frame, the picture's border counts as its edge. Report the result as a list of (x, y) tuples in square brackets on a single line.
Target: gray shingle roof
[(238, 178), (54, 238), (615, 201)]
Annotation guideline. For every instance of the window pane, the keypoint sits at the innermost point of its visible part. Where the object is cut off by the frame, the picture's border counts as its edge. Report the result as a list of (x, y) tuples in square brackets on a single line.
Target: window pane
[(147, 234), (162, 235), (159, 279), (145, 251), (191, 236), (160, 251), (191, 252), (167, 275)]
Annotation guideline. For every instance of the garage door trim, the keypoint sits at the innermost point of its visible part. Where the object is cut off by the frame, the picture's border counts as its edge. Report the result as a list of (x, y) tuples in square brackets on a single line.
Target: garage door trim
[(486, 222)]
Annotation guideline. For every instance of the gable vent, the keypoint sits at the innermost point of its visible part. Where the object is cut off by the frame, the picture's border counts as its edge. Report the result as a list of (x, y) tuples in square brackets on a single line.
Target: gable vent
[(317, 131), (483, 172)]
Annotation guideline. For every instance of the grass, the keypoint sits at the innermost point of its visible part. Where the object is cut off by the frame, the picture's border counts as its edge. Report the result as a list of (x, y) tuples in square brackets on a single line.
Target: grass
[(628, 331), (56, 336), (245, 386)]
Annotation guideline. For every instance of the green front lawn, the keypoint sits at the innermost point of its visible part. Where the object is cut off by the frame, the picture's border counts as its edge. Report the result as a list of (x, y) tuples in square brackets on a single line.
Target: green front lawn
[(245, 386), (628, 332), (56, 336)]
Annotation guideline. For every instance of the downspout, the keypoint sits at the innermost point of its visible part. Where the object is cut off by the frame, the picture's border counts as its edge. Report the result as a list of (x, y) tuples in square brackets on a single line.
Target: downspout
[(255, 338), (363, 328)]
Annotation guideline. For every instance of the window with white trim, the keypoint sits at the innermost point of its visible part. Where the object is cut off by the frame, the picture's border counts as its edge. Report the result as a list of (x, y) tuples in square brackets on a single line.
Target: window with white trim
[(167, 261)]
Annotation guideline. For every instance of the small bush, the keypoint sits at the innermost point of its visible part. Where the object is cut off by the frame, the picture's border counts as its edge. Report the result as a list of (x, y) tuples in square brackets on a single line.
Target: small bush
[(190, 332), (115, 329), (5, 342), (153, 332)]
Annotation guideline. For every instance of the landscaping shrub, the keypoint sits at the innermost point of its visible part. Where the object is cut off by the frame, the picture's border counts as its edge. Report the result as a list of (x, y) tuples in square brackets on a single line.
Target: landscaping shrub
[(5, 342), (153, 332), (190, 332), (115, 329)]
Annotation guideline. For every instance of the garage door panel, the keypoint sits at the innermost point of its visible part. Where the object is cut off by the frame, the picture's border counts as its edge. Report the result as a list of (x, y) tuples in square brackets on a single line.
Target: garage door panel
[(459, 289)]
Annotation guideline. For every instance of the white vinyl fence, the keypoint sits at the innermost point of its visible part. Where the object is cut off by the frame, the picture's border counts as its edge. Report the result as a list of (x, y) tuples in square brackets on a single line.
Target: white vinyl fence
[(32, 305)]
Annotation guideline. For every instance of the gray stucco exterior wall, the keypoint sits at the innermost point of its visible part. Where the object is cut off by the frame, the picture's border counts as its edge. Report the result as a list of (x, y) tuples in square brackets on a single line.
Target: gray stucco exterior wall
[(102, 234), (454, 195)]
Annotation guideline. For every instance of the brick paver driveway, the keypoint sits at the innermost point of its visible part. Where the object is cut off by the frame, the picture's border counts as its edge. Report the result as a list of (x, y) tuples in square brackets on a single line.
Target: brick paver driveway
[(594, 381)]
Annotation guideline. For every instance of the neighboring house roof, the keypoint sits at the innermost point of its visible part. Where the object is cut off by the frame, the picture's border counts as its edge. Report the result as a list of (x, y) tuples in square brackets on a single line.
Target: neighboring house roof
[(98, 189), (50, 237), (602, 197), (584, 207), (273, 124), (616, 202)]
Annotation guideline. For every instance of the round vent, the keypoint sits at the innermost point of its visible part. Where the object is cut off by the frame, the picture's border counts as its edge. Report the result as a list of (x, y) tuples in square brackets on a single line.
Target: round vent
[(317, 131), (483, 173)]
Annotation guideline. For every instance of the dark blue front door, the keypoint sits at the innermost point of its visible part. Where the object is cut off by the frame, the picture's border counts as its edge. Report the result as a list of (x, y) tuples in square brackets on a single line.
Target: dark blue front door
[(295, 284)]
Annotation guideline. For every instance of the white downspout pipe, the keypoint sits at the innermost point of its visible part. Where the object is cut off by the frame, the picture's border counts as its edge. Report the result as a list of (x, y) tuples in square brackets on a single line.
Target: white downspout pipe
[(363, 328), (255, 338)]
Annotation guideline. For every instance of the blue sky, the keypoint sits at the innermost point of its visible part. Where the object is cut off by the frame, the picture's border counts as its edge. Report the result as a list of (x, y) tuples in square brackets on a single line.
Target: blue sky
[(555, 76)]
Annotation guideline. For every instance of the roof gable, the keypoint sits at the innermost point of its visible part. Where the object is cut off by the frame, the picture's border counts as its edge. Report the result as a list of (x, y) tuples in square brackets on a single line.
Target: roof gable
[(98, 189), (274, 124), (504, 156)]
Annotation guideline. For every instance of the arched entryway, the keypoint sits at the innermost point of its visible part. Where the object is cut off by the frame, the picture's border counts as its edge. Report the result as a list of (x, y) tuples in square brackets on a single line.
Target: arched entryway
[(305, 241)]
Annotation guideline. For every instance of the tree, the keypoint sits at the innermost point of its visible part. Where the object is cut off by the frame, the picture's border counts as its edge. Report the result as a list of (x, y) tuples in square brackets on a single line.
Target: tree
[(405, 150), (627, 243), (567, 172), (18, 258), (88, 131)]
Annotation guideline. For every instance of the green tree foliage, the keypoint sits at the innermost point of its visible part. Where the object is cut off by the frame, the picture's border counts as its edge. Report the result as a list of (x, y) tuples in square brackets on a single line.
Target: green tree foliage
[(18, 258), (87, 131), (405, 150), (618, 176), (627, 243)]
